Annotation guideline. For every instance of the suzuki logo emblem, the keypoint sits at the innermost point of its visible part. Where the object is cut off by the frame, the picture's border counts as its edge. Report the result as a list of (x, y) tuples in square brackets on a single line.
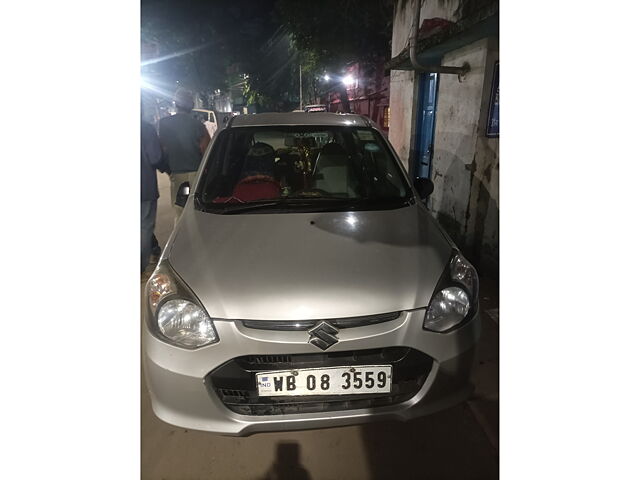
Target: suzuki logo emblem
[(323, 335)]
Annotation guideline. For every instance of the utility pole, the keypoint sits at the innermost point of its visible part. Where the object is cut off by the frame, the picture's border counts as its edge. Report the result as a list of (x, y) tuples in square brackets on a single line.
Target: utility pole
[(300, 86)]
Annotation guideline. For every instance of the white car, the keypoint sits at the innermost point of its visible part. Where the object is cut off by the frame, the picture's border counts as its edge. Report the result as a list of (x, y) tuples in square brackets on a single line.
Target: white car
[(306, 285), (208, 117)]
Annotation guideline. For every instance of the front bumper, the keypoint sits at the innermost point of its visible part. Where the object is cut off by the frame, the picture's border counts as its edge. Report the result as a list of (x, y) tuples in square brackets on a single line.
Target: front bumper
[(181, 395)]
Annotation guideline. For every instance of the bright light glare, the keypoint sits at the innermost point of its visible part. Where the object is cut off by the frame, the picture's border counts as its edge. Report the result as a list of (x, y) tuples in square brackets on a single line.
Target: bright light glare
[(348, 80), (174, 55), (326, 77), (156, 88), (144, 83)]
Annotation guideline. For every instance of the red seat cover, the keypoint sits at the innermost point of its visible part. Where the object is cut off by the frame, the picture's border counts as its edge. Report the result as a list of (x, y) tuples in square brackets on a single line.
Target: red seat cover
[(259, 187)]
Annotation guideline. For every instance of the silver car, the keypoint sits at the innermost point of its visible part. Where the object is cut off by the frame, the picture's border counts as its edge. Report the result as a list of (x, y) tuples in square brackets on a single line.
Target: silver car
[(306, 285)]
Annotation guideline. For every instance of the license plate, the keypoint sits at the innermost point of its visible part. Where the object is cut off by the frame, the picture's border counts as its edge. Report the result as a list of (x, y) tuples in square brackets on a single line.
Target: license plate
[(325, 381)]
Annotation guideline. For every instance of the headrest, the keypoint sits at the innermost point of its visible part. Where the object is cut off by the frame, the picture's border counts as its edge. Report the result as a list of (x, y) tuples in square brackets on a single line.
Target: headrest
[(260, 150), (260, 160)]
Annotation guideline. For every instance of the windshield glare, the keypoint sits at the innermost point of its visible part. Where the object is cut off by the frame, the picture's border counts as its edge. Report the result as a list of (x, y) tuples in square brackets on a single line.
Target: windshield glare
[(318, 164)]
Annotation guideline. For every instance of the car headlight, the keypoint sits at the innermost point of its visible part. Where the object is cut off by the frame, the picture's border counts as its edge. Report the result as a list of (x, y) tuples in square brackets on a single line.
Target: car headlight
[(175, 314), (456, 297), (185, 323)]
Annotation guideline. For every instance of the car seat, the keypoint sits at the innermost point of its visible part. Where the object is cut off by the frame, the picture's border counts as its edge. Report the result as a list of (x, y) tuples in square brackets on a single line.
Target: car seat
[(331, 172), (257, 181)]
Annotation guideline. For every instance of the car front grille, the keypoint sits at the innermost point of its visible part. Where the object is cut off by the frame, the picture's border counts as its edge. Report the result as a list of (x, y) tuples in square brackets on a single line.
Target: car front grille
[(234, 382), (340, 323)]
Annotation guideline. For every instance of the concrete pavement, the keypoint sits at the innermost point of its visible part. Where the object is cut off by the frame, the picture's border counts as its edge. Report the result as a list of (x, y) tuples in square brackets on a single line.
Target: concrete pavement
[(459, 443)]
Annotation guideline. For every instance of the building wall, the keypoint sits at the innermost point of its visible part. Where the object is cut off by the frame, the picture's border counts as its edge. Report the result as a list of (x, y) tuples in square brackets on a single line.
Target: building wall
[(403, 15), (403, 83), (465, 161), (368, 96), (465, 164), (483, 225)]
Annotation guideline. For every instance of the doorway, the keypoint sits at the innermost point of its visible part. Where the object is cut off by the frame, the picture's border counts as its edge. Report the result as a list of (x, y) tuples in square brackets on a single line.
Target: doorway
[(425, 124)]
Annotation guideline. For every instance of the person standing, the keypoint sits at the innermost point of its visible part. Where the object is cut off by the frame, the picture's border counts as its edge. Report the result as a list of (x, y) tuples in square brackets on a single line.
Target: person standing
[(184, 140), (150, 160)]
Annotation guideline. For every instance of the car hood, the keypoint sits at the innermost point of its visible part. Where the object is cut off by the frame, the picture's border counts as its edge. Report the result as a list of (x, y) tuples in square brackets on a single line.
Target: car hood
[(294, 266)]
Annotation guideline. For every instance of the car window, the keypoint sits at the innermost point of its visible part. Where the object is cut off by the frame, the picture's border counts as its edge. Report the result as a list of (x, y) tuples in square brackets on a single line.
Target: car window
[(200, 116), (346, 165)]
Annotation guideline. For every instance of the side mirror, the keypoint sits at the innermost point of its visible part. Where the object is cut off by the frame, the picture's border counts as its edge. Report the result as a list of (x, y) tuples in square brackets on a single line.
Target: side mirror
[(424, 186), (183, 194)]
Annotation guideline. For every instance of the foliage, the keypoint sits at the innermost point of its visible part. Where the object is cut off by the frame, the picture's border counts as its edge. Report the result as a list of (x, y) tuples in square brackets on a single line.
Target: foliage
[(320, 36), (273, 82), (338, 32)]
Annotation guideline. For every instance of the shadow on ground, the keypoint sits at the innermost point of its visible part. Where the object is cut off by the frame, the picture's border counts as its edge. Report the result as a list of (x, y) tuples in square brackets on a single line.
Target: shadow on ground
[(287, 464)]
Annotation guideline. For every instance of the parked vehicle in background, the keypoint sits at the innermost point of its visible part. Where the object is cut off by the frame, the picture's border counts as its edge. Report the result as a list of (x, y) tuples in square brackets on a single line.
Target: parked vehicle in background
[(208, 117), (315, 108), (306, 285)]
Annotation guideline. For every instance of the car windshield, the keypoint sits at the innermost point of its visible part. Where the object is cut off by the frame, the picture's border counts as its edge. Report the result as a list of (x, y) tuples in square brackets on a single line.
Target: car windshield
[(297, 168)]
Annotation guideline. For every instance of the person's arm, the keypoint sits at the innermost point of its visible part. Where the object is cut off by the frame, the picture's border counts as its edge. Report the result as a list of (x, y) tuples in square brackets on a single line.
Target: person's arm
[(153, 150), (164, 164), (204, 139)]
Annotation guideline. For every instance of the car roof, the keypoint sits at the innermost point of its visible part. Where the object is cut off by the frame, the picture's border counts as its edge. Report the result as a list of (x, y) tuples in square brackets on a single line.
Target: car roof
[(299, 118)]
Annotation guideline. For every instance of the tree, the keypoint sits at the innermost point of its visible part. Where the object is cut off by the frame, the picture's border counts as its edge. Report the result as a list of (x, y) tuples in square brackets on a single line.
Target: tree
[(273, 79), (339, 31), (334, 33)]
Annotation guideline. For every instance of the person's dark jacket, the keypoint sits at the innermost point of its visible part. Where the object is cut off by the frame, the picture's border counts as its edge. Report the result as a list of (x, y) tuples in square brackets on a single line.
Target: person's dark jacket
[(183, 140), (150, 160)]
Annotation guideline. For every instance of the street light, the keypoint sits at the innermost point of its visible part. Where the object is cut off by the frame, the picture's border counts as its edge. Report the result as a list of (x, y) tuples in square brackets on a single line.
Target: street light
[(326, 77), (348, 80)]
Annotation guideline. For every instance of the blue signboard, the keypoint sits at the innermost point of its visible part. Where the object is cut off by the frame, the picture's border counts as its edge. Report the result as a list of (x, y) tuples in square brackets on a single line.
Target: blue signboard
[(493, 122)]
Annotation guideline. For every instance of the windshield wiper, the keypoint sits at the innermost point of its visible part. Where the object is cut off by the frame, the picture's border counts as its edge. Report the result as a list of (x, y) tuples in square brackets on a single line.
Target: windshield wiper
[(312, 204), (243, 207), (289, 205), (283, 202)]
